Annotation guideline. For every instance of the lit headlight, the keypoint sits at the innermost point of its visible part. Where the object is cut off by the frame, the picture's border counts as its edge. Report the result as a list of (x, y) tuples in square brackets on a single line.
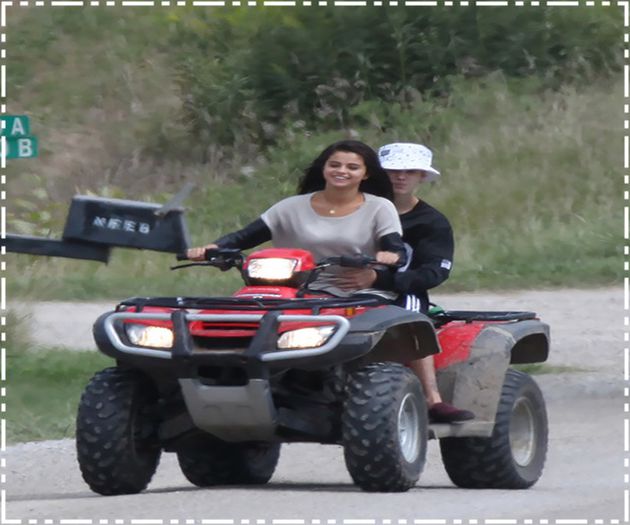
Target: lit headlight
[(151, 336), (272, 268), (311, 337)]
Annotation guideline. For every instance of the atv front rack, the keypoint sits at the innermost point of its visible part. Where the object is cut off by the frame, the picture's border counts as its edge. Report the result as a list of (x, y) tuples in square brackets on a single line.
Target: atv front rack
[(315, 304)]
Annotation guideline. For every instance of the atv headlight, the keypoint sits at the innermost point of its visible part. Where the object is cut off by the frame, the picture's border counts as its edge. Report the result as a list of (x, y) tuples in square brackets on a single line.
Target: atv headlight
[(151, 336), (271, 269), (311, 337)]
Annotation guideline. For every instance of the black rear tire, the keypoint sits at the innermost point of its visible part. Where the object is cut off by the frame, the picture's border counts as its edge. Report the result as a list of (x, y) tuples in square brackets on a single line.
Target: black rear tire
[(384, 428), (514, 456), (116, 438), (221, 463)]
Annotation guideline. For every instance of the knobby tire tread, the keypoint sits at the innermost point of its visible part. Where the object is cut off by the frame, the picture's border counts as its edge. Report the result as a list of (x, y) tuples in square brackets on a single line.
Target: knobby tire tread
[(477, 462), (117, 448), (370, 430)]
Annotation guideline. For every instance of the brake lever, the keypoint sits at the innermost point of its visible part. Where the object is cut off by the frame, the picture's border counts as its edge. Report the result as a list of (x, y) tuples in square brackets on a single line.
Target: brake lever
[(188, 265)]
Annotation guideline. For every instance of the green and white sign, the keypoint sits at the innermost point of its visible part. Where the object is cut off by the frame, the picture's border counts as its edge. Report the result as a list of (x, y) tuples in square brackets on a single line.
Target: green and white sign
[(15, 126), (21, 147), (20, 144)]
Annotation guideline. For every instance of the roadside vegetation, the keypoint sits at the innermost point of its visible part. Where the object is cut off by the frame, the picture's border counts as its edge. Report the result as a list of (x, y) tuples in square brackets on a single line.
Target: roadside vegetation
[(43, 385), (529, 182), (43, 389), (127, 103)]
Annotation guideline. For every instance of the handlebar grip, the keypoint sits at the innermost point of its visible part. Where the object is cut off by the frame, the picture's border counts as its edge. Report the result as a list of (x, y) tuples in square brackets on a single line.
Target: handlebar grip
[(356, 261), (211, 253)]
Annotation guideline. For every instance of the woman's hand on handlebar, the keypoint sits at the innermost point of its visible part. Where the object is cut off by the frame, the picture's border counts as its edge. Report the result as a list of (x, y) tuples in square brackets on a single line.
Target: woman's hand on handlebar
[(199, 254), (389, 258)]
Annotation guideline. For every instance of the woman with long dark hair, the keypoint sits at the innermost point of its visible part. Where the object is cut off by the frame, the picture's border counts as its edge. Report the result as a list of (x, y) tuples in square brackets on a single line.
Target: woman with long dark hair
[(377, 183), (343, 207)]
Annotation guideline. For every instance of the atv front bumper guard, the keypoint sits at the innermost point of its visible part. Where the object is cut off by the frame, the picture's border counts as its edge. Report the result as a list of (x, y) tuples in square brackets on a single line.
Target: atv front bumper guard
[(266, 335)]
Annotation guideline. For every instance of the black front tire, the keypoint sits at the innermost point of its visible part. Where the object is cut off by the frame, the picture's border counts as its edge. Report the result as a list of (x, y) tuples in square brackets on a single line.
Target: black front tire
[(216, 462), (384, 428), (116, 437), (514, 456)]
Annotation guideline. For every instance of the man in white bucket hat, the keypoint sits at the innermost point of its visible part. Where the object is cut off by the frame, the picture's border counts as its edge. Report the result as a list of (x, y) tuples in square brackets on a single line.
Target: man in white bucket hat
[(428, 238)]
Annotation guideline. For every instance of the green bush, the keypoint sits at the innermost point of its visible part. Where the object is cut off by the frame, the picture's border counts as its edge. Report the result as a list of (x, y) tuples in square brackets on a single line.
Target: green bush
[(246, 71)]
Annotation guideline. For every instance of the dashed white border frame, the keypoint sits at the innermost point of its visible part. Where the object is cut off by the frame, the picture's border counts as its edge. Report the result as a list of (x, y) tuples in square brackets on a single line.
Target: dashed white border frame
[(624, 4), (299, 3)]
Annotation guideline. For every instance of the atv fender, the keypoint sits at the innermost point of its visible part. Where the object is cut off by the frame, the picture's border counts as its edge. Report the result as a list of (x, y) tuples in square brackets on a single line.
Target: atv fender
[(400, 335), (476, 384)]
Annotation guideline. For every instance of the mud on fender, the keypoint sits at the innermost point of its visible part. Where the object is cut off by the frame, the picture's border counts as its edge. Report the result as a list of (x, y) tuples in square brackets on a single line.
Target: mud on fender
[(475, 383)]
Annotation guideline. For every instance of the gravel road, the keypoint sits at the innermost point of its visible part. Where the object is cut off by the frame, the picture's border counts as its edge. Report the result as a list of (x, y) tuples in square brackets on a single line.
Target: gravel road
[(583, 480)]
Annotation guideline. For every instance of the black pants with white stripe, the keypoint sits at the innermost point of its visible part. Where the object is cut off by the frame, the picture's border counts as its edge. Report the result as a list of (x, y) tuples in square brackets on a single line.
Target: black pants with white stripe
[(415, 303)]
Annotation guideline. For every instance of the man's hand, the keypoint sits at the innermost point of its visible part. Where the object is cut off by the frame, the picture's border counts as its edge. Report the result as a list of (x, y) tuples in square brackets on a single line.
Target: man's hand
[(387, 257), (356, 279), (199, 254)]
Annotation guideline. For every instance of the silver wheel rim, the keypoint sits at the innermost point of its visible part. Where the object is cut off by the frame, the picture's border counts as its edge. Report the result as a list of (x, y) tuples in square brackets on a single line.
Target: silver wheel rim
[(408, 428), (523, 432)]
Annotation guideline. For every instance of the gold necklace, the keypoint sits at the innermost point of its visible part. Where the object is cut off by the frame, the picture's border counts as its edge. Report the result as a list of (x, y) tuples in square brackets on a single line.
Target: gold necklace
[(332, 211)]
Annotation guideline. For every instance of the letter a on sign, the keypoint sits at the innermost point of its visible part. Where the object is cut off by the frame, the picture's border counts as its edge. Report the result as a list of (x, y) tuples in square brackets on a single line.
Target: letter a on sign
[(17, 128), (15, 125)]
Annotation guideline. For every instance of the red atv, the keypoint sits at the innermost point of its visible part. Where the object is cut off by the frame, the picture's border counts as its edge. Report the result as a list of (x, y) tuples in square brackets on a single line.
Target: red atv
[(224, 381)]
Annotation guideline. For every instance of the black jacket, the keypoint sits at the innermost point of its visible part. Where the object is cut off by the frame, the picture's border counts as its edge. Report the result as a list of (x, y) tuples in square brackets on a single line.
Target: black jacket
[(429, 237)]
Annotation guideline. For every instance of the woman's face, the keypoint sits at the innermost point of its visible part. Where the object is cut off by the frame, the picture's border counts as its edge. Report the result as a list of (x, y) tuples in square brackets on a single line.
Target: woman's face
[(344, 170), (405, 182)]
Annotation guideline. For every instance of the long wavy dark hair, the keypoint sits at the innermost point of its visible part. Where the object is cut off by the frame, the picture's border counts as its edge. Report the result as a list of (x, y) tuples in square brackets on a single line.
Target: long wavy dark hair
[(377, 183)]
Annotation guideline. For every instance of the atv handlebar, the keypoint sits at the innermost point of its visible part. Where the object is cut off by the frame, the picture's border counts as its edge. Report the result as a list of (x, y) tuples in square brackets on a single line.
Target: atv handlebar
[(349, 261), (353, 261), (222, 258), (212, 253), (226, 258)]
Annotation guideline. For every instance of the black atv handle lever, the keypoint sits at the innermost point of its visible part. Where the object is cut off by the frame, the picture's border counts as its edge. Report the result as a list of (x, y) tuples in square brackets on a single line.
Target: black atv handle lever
[(211, 253), (222, 258), (180, 266)]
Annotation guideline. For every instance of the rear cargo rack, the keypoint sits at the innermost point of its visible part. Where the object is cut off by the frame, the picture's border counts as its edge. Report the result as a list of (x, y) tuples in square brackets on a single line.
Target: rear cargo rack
[(446, 316)]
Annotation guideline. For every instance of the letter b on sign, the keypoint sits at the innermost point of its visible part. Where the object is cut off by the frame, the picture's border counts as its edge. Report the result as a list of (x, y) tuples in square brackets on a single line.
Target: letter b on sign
[(21, 147), (25, 148)]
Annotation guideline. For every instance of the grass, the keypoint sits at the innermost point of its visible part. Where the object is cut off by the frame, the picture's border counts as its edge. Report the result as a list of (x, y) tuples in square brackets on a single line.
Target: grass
[(43, 385), (43, 389)]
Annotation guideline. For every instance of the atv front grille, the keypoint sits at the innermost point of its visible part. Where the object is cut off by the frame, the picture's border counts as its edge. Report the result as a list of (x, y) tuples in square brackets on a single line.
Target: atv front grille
[(222, 343)]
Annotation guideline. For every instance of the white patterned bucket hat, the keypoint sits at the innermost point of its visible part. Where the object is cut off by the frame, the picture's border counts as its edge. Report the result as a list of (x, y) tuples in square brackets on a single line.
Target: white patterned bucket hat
[(407, 156)]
